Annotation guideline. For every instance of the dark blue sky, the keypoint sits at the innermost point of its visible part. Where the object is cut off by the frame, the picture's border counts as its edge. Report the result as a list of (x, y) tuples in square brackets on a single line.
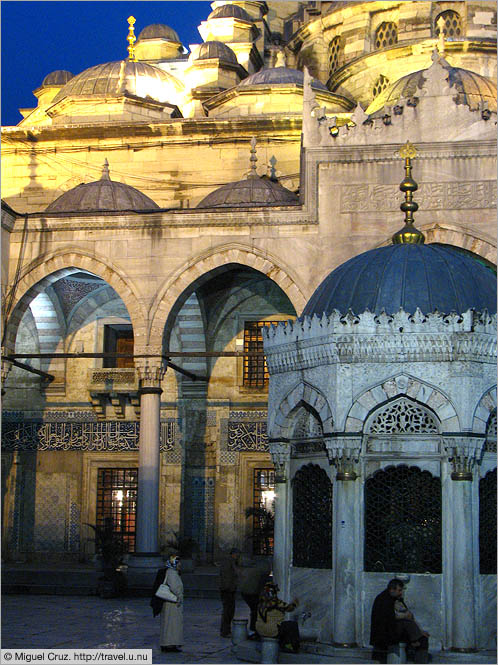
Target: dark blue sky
[(40, 37)]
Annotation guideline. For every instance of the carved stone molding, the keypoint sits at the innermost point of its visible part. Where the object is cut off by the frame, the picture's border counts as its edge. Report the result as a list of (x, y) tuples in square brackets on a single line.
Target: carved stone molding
[(344, 454), (150, 371), (463, 453), (280, 453)]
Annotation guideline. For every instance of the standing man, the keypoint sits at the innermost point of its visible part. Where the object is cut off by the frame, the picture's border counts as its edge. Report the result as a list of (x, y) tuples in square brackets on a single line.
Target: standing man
[(253, 578), (228, 587)]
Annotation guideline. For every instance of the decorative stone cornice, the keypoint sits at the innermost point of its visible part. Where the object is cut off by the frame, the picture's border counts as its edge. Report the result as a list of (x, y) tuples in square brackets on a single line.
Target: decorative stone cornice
[(367, 337), (464, 452), (280, 453), (344, 453)]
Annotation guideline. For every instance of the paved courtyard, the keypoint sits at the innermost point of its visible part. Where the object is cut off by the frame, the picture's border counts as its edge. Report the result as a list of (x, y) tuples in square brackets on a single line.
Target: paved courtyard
[(89, 622)]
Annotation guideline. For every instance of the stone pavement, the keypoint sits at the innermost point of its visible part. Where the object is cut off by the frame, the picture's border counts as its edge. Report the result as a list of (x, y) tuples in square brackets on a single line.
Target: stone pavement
[(90, 622)]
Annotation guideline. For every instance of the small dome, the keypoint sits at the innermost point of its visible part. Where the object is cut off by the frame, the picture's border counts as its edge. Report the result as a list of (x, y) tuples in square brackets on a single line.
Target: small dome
[(276, 75), (103, 194), (114, 79), (470, 88), (253, 191), (428, 277), (209, 50), (159, 31), (59, 77), (230, 11)]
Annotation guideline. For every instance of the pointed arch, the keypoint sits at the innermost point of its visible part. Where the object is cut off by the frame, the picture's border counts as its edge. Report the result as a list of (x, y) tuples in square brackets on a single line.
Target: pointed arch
[(49, 268), (219, 257), (402, 385), (484, 408), (302, 394)]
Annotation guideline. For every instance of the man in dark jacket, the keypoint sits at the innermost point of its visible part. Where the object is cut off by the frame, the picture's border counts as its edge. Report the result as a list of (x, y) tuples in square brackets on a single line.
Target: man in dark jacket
[(228, 587)]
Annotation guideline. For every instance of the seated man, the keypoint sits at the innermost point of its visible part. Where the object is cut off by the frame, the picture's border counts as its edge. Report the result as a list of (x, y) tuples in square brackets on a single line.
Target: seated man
[(270, 619), (392, 623)]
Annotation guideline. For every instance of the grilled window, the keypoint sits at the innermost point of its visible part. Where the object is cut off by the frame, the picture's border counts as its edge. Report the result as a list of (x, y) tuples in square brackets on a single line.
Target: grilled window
[(312, 518), (117, 503), (381, 83), (403, 521), (335, 54), (386, 35), (490, 443), (263, 511), (255, 369), (487, 524), (452, 24)]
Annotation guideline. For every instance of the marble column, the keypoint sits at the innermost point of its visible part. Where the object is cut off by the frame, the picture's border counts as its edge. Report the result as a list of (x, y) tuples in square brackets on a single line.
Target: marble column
[(463, 454), (146, 558), (344, 455), (280, 453)]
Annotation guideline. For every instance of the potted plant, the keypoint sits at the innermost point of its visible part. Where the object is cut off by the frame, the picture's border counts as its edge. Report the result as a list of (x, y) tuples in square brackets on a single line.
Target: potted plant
[(109, 549), (185, 548)]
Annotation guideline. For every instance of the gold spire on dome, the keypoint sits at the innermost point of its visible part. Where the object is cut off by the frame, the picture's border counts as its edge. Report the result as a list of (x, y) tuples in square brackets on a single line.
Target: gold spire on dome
[(408, 235), (131, 39), (252, 173)]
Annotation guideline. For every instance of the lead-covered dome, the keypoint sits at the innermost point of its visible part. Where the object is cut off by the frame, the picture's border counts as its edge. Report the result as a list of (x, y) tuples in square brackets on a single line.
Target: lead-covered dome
[(230, 11), (58, 78), (470, 88), (115, 79), (407, 276), (280, 75), (212, 49), (254, 191), (159, 31), (103, 194)]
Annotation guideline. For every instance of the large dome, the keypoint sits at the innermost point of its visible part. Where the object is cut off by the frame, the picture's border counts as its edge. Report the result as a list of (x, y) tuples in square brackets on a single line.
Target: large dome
[(253, 191), (279, 75), (470, 88), (103, 194), (115, 79), (408, 276)]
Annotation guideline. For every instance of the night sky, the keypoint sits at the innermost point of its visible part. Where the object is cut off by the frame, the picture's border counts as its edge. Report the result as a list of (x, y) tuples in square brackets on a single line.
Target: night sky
[(40, 37)]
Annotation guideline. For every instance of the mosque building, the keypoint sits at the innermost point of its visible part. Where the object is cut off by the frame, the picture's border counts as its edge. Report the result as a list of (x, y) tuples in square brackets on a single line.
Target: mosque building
[(211, 306)]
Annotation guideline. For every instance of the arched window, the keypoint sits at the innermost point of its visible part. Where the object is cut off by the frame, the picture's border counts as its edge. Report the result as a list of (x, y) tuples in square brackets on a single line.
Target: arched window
[(312, 518), (380, 84), (487, 524), (403, 521), (386, 35), (403, 416), (452, 24), (490, 443), (335, 54)]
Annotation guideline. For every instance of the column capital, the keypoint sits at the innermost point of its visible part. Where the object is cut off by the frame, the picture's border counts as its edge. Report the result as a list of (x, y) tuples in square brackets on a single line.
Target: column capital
[(6, 366), (280, 452), (463, 453), (150, 372), (344, 453)]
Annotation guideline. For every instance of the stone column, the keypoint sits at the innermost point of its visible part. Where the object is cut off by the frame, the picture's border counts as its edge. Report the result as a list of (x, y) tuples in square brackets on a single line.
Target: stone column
[(146, 558), (280, 453), (6, 367), (344, 453), (463, 452)]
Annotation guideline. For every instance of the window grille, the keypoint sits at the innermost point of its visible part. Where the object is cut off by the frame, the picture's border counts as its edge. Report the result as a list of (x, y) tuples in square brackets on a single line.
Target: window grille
[(380, 85), (255, 369), (312, 518), (490, 443), (335, 54), (386, 35), (403, 416), (263, 511), (403, 521), (117, 501), (452, 24), (487, 524)]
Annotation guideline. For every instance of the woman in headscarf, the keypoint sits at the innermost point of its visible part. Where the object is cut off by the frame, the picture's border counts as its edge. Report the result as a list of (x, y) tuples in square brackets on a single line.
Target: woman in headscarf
[(270, 618), (171, 633)]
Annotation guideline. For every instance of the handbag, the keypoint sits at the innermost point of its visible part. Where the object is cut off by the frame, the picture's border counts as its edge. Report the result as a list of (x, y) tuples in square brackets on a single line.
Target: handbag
[(165, 593)]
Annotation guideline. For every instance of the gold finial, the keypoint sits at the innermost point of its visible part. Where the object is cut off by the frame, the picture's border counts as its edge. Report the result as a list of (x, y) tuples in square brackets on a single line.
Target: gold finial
[(440, 41), (253, 159), (408, 234), (131, 39)]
